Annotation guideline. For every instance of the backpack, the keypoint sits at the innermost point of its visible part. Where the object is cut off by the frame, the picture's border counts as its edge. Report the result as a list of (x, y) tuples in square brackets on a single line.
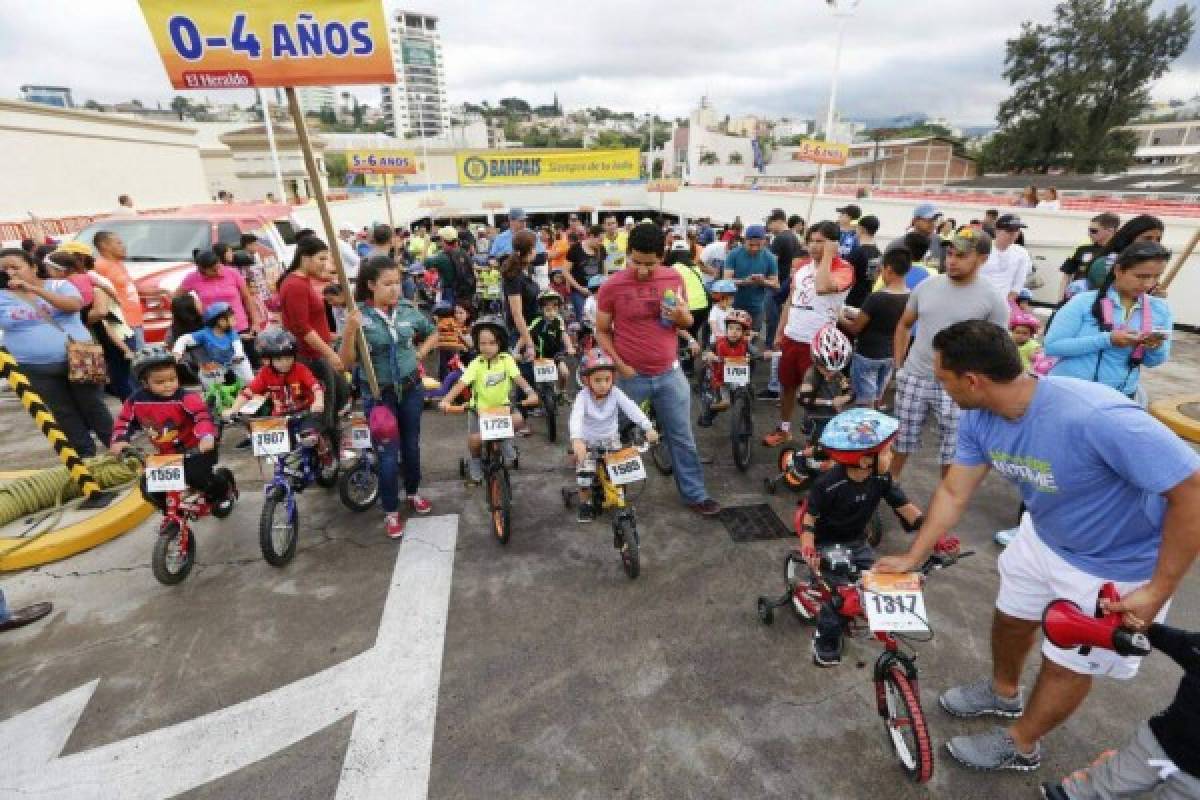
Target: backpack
[(464, 273)]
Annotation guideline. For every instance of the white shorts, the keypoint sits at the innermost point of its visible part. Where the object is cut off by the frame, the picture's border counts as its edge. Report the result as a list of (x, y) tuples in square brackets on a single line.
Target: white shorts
[(1031, 575)]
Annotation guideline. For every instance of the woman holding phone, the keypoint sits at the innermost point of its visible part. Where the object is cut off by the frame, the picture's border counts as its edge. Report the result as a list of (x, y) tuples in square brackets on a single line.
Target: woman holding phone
[(1108, 335)]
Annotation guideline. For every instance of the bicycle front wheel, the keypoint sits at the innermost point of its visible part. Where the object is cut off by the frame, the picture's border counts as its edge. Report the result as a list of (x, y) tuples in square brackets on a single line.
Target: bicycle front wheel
[(626, 539), (500, 504), (905, 723), (741, 430)]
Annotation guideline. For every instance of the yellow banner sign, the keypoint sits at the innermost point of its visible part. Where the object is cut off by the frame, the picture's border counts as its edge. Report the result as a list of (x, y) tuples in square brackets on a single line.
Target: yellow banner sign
[(382, 162), (818, 152), (231, 44), (530, 166)]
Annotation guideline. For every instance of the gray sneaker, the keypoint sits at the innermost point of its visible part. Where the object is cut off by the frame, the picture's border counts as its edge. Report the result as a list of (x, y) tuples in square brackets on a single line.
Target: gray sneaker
[(993, 750), (978, 698), (475, 470)]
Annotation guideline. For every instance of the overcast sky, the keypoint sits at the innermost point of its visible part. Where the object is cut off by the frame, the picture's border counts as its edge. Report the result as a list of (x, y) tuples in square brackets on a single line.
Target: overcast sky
[(942, 57)]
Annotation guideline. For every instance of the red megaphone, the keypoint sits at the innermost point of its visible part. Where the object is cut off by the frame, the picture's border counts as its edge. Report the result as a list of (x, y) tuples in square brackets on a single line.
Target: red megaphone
[(1067, 626)]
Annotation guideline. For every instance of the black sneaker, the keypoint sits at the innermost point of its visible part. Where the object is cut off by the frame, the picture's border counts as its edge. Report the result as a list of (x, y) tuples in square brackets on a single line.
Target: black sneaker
[(705, 421), (767, 394), (587, 513), (244, 444), (1054, 791), (826, 650)]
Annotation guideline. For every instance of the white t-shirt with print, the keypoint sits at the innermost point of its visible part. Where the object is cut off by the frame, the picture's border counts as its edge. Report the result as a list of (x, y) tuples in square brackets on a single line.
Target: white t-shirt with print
[(716, 321), (810, 311)]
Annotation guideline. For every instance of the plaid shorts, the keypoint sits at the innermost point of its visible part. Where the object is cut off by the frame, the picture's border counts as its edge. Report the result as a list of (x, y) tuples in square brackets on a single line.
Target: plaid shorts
[(915, 398)]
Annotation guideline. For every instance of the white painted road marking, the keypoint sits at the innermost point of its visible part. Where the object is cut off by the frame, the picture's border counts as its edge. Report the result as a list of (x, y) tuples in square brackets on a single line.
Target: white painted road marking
[(392, 688)]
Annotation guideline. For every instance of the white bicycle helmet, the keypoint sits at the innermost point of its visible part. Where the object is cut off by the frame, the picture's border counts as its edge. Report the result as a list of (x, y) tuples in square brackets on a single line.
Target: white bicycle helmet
[(831, 349)]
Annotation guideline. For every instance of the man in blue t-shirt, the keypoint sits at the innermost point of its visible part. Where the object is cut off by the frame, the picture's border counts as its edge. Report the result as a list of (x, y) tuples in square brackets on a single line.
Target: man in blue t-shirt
[(1112, 495), (755, 271)]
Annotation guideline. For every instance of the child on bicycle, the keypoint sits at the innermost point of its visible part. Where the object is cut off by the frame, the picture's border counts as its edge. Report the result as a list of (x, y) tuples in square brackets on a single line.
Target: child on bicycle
[(549, 333), (215, 349), (722, 292), (175, 422), (842, 501), (1163, 757), (490, 377), (594, 418), (824, 390), (734, 343)]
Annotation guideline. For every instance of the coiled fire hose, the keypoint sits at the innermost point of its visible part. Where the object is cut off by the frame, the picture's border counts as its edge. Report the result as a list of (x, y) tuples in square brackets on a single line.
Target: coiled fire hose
[(44, 496)]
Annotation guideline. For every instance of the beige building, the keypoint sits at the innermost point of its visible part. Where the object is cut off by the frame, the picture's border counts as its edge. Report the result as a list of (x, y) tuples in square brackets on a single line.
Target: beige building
[(254, 169), (64, 162)]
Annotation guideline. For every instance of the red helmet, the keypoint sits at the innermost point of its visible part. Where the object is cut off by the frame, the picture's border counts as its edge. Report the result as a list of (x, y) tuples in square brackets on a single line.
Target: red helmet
[(830, 348), (595, 360), (740, 317)]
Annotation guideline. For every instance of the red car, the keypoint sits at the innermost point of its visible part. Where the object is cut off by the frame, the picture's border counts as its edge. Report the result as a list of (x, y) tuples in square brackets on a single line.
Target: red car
[(160, 247)]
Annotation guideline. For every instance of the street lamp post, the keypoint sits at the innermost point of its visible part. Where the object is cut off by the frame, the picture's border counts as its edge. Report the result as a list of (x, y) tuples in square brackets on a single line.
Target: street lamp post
[(842, 10)]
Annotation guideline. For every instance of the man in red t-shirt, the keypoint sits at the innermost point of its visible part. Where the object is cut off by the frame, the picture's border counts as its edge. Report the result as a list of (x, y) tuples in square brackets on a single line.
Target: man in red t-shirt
[(636, 324)]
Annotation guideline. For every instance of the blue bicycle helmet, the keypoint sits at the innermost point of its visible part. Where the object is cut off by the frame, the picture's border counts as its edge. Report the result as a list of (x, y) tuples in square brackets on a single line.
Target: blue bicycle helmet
[(856, 433), (595, 282), (215, 311), (723, 286)]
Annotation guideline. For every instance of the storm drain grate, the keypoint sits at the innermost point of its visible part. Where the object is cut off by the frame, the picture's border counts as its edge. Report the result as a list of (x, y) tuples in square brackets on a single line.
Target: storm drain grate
[(753, 523)]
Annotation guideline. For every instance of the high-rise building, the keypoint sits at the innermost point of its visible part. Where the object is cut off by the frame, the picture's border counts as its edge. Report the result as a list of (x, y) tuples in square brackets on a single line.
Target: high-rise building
[(417, 105), (315, 98)]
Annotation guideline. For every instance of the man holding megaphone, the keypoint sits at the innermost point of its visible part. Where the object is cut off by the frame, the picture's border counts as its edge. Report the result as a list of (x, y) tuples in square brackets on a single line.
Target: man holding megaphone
[(1112, 496)]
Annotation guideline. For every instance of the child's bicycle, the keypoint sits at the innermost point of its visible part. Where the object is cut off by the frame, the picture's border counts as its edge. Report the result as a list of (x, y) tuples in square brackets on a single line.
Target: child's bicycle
[(221, 388), (174, 551), (545, 383), (741, 406), (495, 425), (889, 608), (660, 453), (615, 469)]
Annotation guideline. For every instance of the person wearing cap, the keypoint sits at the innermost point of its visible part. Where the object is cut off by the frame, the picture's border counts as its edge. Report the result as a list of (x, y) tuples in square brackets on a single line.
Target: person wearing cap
[(754, 270), (637, 321), (1008, 264), (518, 221), (452, 265), (629, 223), (924, 221), (1106, 335), (934, 305), (848, 226), (865, 260)]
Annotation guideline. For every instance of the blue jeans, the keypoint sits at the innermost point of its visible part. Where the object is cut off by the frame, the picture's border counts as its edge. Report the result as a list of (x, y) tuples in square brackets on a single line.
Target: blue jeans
[(408, 287), (672, 400), (773, 310), (577, 301), (406, 452), (869, 377)]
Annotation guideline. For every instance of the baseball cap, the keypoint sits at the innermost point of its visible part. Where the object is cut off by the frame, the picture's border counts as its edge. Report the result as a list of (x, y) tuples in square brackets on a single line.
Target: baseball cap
[(448, 234), (777, 214), (869, 223), (1007, 221), (516, 213), (852, 211), (967, 240), (926, 211), (756, 232), (74, 246)]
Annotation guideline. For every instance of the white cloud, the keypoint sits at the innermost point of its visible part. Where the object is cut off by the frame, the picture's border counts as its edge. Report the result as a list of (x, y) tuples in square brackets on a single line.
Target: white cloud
[(943, 57)]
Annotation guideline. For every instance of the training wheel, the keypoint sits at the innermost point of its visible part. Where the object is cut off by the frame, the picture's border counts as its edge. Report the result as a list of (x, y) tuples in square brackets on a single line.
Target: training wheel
[(568, 497), (462, 468), (766, 614), (769, 485)]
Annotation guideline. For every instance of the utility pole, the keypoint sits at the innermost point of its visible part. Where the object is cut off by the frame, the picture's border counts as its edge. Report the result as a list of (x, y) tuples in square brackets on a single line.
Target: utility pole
[(842, 10)]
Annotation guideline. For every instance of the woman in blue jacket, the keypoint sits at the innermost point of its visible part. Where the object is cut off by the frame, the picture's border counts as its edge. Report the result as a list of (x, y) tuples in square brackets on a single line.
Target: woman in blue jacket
[(1107, 335)]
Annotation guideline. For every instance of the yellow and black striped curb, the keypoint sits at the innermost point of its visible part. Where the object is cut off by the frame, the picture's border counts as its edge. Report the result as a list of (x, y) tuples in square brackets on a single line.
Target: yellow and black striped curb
[(1168, 412)]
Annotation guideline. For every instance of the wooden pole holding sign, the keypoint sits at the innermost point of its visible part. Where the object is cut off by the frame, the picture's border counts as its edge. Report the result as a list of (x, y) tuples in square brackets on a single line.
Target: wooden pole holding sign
[(1179, 261), (387, 196), (314, 176)]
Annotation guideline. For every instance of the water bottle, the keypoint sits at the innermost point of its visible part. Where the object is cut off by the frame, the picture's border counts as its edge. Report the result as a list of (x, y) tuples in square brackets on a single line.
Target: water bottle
[(669, 301)]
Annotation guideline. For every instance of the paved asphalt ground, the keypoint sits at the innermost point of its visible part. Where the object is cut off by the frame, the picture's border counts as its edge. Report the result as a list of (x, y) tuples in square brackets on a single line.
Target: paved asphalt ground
[(560, 678)]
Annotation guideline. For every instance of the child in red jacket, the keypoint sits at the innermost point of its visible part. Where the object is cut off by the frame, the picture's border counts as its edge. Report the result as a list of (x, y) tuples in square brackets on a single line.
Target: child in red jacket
[(735, 344), (175, 421)]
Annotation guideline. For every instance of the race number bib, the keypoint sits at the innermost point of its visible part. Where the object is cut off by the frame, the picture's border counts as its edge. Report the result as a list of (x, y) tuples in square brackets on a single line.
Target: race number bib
[(625, 466), (495, 424), (269, 436), (737, 371), (545, 370), (360, 433), (165, 473), (894, 602)]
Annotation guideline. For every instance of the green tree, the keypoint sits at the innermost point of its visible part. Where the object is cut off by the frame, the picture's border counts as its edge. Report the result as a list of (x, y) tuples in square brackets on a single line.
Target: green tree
[(1077, 79), (335, 169), (181, 105), (515, 105)]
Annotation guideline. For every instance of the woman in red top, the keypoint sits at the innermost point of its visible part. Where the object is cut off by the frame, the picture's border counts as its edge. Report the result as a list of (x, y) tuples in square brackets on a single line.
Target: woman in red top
[(303, 315)]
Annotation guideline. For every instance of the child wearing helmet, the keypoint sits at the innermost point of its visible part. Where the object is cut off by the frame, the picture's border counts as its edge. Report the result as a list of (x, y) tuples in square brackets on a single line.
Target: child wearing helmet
[(824, 391), (841, 503), (291, 387), (594, 418), (490, 377), (216, 348), (549, 333), (1024, 329), (722, 292), (175, 422), (735, 343)]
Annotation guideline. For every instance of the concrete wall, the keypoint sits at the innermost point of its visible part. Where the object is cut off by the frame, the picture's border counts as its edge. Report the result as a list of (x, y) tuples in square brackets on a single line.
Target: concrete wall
[(61, 162)]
